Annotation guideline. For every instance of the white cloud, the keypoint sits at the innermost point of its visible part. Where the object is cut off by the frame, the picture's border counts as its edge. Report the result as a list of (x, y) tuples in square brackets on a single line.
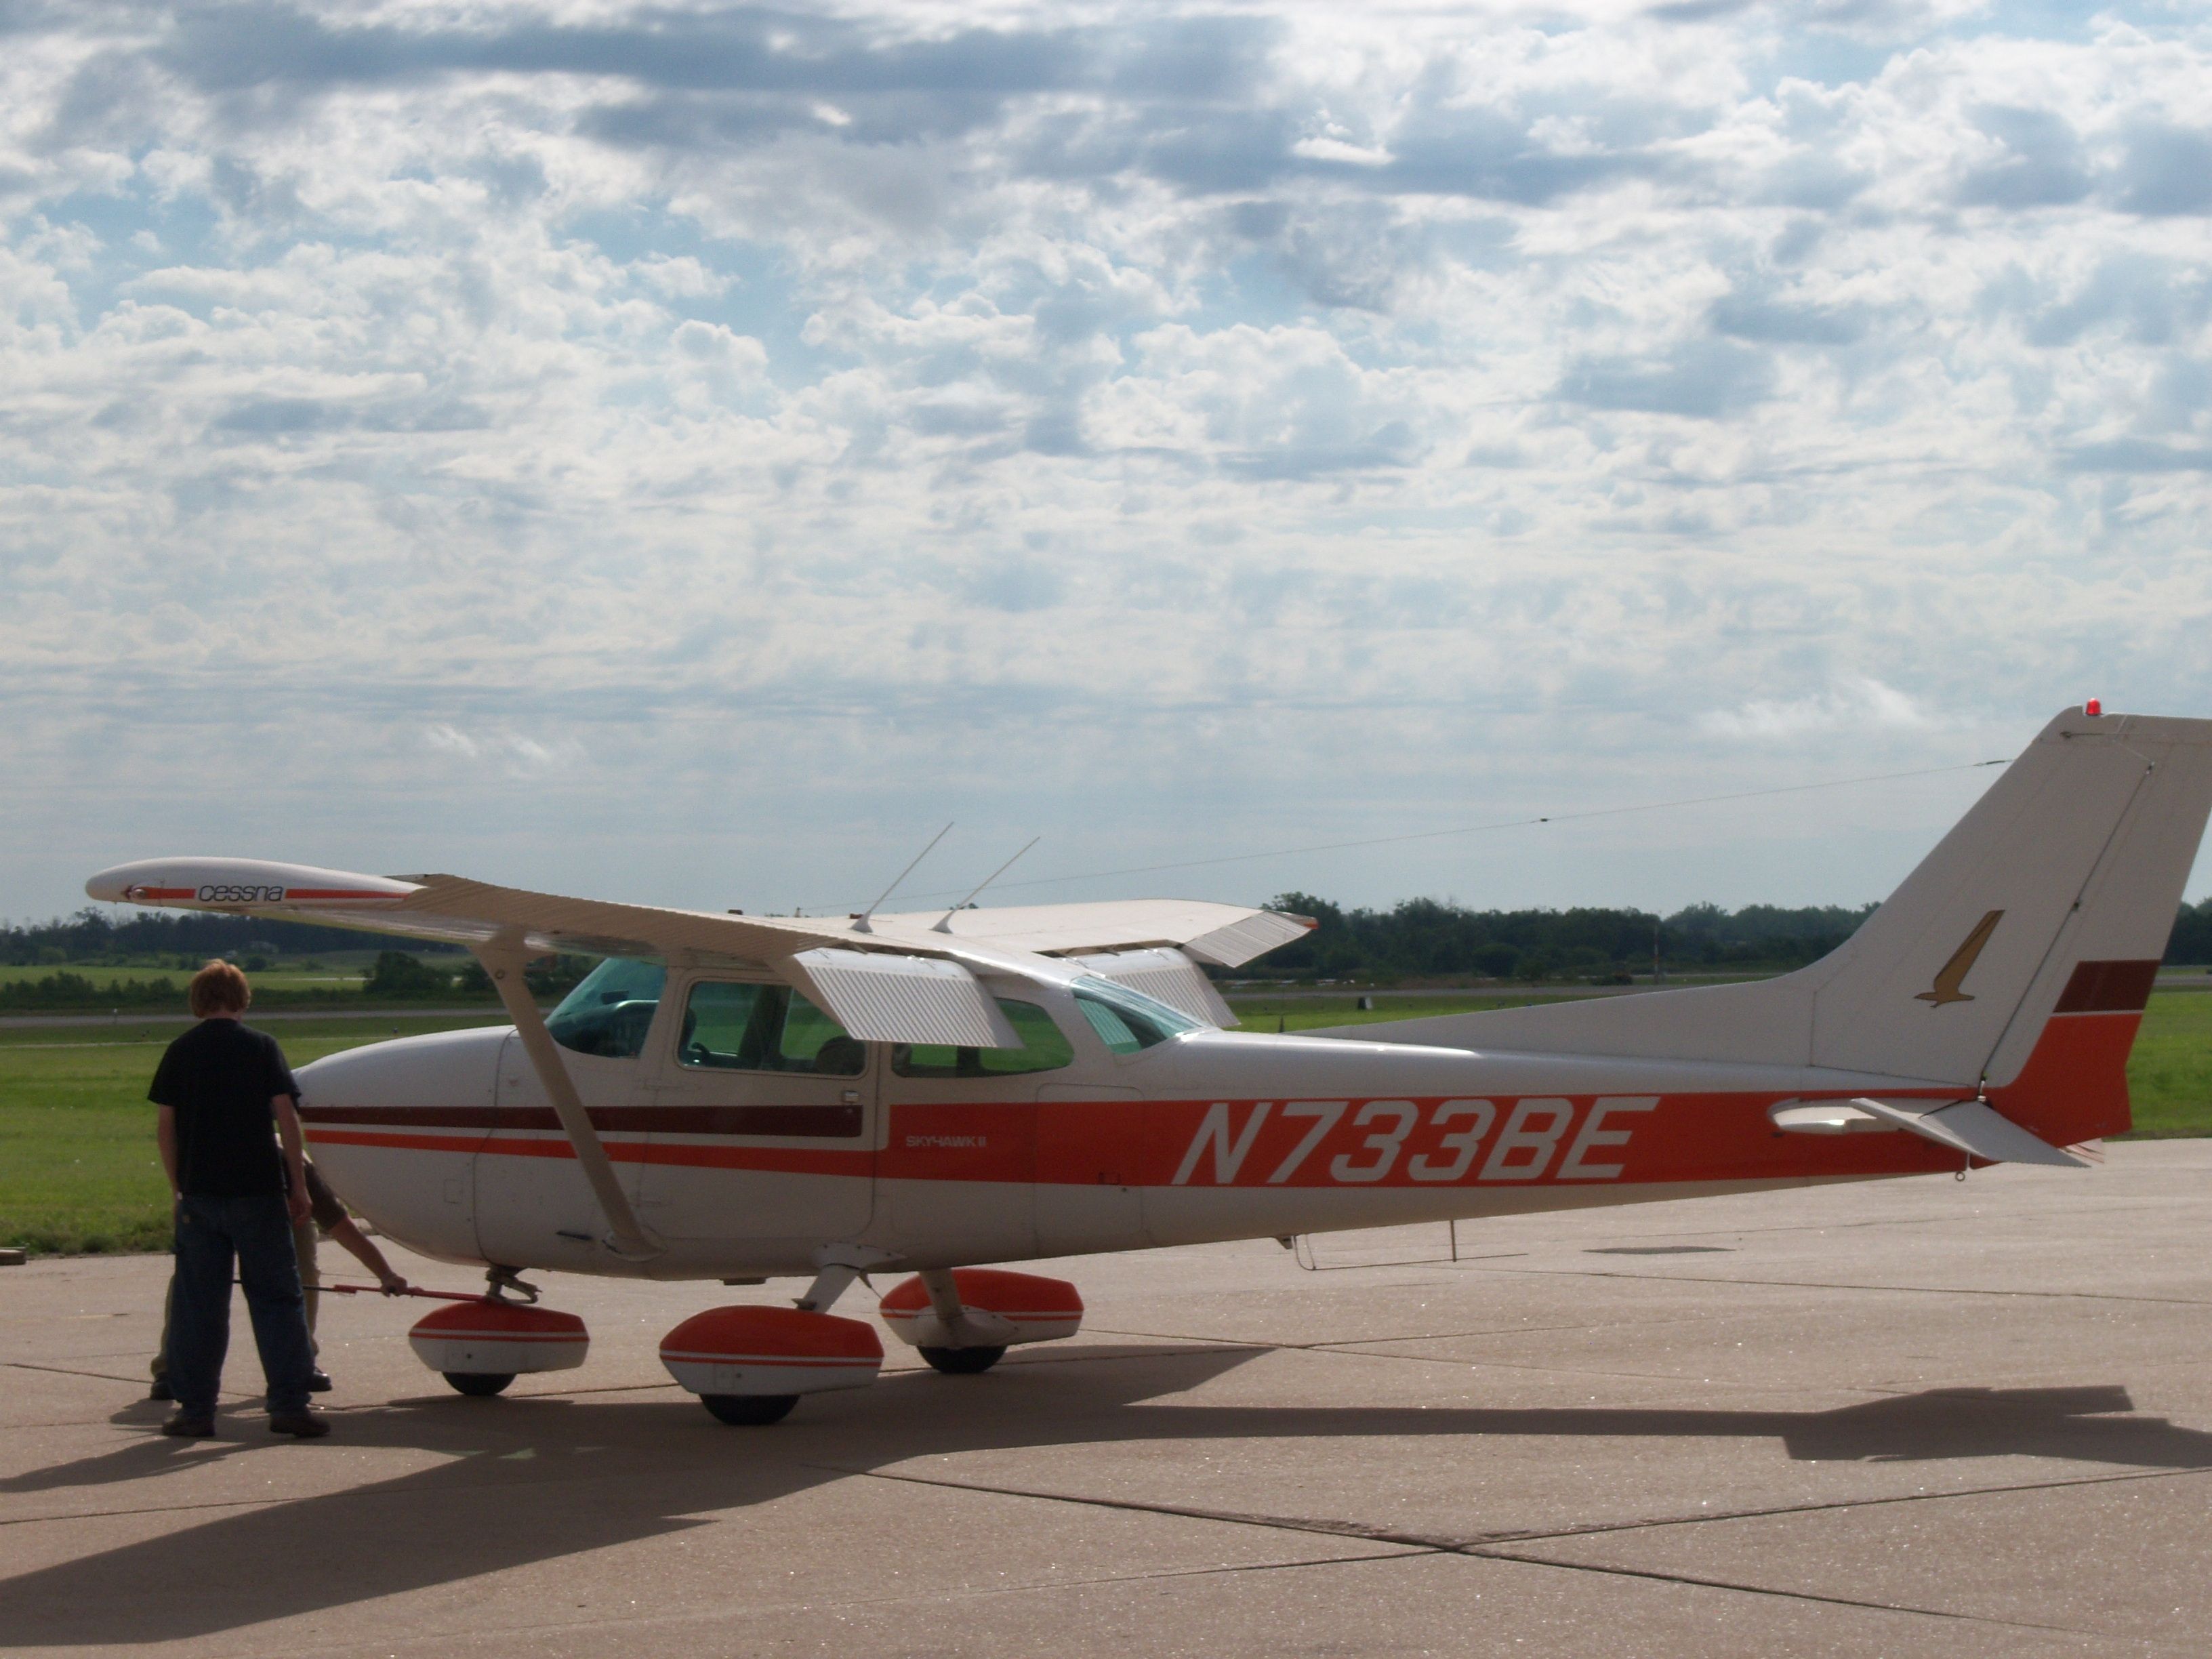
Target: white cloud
[(1854, 705), (517, 754), (1155, 424)]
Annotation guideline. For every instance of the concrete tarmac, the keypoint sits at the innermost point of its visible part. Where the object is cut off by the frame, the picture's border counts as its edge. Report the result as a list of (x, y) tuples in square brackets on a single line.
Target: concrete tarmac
[(1915, 1417)]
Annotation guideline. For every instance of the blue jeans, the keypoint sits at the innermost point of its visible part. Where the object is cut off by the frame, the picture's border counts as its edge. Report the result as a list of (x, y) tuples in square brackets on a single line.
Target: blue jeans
[(256, 1233)]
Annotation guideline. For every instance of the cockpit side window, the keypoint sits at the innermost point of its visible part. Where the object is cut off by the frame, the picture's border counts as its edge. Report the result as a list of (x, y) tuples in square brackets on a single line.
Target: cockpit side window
[(610, 1014), (730, 1027), (1044, 1049)]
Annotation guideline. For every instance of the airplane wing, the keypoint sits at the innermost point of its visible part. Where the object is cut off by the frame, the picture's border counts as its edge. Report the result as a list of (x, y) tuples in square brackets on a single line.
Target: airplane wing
[(1226, 935), (895, 978)]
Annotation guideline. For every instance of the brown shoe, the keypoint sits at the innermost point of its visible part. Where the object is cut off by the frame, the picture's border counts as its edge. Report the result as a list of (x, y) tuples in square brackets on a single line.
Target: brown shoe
[(308, 1426), (185, 1426)]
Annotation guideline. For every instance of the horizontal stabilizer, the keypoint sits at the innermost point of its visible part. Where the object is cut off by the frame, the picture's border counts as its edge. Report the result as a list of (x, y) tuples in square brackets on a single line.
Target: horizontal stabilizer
[(1968, 1126)]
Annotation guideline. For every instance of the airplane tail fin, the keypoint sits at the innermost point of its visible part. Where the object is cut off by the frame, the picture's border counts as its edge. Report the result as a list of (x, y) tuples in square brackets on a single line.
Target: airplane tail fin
[(2018, 958)]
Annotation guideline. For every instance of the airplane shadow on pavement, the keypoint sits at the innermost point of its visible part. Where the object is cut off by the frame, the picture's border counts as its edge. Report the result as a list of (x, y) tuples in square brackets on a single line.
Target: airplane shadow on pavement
[(537, 1478)]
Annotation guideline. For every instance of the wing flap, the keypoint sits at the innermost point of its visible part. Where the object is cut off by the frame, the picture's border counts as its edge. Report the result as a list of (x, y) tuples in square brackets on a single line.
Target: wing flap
[(880, 998)]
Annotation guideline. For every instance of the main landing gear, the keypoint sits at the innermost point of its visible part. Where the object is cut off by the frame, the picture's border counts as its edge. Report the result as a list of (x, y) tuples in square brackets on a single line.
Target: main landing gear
[(480, 1385), (962, 1362), (962, 1321), (749, 1365)]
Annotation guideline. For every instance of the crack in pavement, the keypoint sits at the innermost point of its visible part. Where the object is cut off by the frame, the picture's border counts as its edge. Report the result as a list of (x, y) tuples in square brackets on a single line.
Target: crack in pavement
[(1840, 1504), (443, 1642), (1819, 1284), (1365, 1348), (1495, 1546)]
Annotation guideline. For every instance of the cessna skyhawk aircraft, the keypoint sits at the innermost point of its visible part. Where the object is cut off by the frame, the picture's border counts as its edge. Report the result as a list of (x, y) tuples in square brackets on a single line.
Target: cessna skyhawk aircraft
[(733, 1098)]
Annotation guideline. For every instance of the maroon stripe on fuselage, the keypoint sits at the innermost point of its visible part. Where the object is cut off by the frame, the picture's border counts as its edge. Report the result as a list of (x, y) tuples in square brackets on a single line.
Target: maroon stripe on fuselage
[(828, 1121), (2108, 987)]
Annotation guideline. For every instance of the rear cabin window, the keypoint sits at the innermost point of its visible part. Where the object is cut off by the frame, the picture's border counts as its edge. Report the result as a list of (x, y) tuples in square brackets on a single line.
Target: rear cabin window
[(1127, 1020), (609, 1014), (763, 1028), (1044, 1049)]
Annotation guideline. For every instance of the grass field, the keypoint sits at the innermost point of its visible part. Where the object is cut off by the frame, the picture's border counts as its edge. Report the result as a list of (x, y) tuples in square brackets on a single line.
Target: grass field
[(78, 1171), (269, 979)]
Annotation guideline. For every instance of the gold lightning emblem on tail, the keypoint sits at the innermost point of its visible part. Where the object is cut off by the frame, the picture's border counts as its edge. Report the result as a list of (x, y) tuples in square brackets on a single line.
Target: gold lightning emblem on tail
[(1949, 976)]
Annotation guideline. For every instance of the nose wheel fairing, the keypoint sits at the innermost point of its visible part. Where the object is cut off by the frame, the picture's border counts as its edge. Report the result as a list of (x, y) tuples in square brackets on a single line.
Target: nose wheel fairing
[(480, 1347)]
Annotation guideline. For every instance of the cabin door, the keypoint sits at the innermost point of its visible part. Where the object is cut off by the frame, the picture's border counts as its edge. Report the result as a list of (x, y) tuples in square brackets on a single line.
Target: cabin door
[(763, 1120)]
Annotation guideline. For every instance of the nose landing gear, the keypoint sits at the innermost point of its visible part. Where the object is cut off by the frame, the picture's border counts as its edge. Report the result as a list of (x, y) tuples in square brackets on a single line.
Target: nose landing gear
[(481, 1344)]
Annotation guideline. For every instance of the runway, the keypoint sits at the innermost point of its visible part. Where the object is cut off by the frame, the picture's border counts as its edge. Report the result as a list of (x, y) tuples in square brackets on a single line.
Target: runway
[(1919, 1416)]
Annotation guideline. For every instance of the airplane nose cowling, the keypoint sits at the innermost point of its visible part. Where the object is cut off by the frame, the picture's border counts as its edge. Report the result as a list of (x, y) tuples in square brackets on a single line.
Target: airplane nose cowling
[(395, 1127)]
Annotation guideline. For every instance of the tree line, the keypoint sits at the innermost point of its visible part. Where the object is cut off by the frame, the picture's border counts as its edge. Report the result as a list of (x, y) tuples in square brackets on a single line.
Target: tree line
[(92, 936), (1426, 939), (1419, 939)]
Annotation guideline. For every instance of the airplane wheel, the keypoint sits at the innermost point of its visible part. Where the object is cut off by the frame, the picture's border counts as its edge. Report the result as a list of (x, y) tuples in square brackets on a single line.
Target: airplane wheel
[(962, 1362), (483, 1384), (749, 1410)]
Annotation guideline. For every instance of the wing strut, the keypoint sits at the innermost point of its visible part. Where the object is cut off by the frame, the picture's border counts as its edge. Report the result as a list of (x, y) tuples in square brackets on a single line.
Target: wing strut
[(504, 958)]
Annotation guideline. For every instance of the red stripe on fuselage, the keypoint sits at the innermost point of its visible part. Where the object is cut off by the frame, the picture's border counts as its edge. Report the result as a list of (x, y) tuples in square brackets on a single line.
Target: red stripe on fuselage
[(833, 1121), (1427, 1141), (784, 1160)]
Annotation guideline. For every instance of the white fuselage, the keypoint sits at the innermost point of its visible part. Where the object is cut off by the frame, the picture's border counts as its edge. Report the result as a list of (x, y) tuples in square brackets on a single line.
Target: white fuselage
[(450, 1143)]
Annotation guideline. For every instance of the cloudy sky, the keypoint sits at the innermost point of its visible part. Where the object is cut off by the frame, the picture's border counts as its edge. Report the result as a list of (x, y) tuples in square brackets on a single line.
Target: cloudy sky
[(690, 454)]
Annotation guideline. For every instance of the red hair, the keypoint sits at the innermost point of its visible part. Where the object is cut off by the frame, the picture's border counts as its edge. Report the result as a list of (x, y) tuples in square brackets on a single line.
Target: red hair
[(219, 988)]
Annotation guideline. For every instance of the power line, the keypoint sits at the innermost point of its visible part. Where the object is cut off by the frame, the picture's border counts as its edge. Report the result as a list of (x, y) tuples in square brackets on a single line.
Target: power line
[(1472, 829)]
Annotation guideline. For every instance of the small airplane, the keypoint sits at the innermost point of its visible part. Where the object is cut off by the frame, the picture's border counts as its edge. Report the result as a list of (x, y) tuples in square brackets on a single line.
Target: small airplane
[(737, 1098)]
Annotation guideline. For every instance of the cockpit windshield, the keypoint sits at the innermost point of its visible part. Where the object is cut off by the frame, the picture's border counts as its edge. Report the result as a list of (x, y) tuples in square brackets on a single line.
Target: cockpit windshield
[(609, 1014), (1127, 1021)]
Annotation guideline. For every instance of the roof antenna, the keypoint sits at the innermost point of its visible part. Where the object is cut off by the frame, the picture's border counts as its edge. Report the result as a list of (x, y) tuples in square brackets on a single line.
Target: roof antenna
[(860, 921), (944, 923)]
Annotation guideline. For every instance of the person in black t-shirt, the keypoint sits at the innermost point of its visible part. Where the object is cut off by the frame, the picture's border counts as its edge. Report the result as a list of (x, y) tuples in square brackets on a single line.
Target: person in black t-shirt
[(226, 1095)]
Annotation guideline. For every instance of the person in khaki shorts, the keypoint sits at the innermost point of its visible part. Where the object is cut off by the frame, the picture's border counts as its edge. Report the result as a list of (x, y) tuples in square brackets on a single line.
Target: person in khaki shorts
[(327, 1217)]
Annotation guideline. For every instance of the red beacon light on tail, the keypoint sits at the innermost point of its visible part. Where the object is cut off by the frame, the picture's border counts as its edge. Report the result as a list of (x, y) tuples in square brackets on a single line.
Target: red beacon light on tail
[(2095, 706)]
